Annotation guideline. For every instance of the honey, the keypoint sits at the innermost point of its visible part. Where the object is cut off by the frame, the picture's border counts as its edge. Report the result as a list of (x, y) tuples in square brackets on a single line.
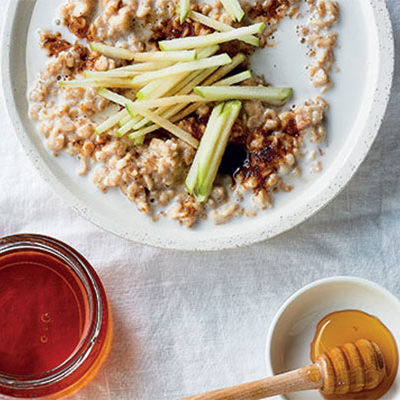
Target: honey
[(55, 326), (348, 326)]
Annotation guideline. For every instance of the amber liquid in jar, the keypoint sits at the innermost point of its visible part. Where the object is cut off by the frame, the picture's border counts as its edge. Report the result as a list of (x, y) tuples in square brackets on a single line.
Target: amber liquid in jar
[(348, 326), (46, 324)]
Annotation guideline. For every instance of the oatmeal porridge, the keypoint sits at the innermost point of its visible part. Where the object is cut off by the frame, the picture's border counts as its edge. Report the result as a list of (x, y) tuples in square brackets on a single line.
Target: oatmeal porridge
[(187, 132)]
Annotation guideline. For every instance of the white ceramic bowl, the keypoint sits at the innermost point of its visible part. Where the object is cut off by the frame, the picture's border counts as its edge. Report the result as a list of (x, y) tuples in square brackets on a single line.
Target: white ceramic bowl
[(292, 330), (358, 102)]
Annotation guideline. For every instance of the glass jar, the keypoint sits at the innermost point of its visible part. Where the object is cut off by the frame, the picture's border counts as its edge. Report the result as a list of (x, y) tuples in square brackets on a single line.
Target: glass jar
[(55, 321)]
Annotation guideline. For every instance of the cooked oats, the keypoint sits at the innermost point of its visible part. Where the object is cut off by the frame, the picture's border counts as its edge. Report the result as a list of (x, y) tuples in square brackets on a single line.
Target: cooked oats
[(152, 175)]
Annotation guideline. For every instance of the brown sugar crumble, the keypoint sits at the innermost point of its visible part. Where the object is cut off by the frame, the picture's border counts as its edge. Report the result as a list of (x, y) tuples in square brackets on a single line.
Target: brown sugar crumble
[(54, 44)]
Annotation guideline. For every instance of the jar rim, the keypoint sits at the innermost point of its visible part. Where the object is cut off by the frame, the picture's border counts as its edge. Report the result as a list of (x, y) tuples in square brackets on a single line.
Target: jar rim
[(91, 283)]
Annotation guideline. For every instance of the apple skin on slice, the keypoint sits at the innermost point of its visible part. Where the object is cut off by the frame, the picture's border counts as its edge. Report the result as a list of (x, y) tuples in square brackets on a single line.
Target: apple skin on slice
[(229, 115), (204, 168), (111, 51), (269, 94), (111, 121), (194, 42), (234, 79), (234, 9), (214, 126), (184, 9), (180, 68), (221, 27)]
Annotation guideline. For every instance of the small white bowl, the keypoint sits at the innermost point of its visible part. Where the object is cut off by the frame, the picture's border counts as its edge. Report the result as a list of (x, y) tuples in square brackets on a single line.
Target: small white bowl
[(292, 330)]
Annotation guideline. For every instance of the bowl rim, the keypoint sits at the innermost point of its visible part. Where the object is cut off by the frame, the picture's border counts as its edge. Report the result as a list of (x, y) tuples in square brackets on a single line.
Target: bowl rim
[(261, 232), (312, 285)]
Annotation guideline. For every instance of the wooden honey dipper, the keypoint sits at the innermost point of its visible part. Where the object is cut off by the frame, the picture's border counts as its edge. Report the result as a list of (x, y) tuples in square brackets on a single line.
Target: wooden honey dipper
[(351, 368)]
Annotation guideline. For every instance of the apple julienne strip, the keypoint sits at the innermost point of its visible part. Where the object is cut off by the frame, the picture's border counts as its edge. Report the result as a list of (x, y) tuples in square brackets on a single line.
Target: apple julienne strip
[(234, 9), (229, 114), (184, 7), (114, 97), (175, 56), (193, 42), (212, 126), (111, 121), (180, 68), (269, 94), (167, 125), (234, 79), (166, 101), (111, 51), (109, 82), (221, 27)]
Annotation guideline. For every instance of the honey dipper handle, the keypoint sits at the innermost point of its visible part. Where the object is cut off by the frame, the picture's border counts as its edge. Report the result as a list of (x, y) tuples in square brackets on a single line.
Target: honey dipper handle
[(306, 378)]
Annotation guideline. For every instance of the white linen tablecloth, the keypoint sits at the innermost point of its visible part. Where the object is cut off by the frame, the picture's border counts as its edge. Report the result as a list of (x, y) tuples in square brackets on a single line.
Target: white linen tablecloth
[(187, 322)]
